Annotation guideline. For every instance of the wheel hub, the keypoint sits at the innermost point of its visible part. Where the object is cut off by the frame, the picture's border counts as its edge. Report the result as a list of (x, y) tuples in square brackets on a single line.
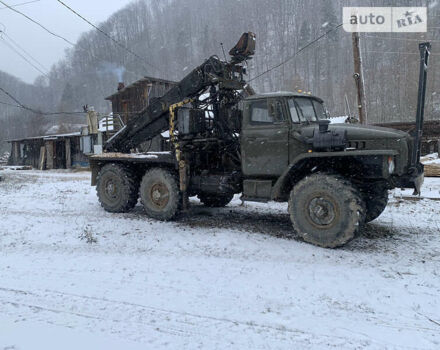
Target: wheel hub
[(322, 211), (159, 195), (110, 189)]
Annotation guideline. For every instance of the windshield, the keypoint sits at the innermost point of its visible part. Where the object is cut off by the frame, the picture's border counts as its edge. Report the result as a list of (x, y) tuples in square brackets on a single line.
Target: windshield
[(308, 109), (320, 111)]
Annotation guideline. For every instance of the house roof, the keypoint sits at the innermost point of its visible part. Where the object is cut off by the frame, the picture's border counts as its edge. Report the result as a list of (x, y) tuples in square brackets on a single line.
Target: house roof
[(47, 137), (142, 81)]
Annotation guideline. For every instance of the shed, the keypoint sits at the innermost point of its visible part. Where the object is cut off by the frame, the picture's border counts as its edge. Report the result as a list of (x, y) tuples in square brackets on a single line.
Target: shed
[(132, 99), (60, 151)]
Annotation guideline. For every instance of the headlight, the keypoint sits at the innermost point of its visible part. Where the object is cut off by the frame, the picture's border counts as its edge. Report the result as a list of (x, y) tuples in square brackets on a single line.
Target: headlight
[(391, 165)]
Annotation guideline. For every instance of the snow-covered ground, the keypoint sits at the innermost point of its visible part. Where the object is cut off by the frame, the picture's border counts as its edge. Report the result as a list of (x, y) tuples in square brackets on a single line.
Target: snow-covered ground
[(75, 277)]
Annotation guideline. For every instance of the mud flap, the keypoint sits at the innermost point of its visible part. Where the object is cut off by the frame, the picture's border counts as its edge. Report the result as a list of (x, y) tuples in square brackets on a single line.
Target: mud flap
[(418, 182)]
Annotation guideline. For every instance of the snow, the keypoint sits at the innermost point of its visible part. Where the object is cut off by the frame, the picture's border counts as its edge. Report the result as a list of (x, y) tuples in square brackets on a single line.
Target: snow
[(432, 158), (148, 155), (338, 120), (106, 123), (232, 278)]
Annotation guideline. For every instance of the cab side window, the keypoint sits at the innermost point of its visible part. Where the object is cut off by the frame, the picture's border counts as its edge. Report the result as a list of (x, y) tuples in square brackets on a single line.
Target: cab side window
[(260, 113), (276, 110)]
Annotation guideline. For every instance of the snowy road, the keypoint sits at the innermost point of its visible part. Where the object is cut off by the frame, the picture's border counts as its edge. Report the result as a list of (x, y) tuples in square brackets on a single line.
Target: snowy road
[(75, 277)]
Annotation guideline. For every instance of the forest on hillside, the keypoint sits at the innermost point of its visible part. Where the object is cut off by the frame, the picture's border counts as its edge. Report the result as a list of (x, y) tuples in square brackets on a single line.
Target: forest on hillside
[(173, 36)]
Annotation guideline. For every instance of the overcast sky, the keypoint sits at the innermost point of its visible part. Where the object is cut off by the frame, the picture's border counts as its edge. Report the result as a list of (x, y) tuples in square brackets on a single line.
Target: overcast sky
[(46, 48)]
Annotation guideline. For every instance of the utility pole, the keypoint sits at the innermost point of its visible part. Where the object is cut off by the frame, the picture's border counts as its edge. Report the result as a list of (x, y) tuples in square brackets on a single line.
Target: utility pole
[(359, 79)]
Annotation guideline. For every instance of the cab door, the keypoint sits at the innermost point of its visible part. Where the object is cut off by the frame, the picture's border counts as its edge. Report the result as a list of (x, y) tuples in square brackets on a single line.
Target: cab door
[(265, 138), (297, 145)]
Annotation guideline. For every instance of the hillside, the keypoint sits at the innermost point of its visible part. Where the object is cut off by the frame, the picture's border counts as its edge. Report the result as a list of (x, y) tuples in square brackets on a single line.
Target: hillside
[(174, 36)]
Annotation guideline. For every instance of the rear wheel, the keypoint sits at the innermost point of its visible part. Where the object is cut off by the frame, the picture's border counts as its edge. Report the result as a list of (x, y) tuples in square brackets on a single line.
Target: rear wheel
[(160, 194), (376, 200), (214, 200), (117, 188), (326, 210)]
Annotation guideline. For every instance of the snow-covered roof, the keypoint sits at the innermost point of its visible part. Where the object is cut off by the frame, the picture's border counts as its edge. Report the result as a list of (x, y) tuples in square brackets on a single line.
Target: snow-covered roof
[(144, 80), (47, 137)]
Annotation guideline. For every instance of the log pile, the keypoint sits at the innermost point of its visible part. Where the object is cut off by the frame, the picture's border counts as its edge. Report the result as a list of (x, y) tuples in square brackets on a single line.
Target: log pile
[(432, 170), (432, 165)]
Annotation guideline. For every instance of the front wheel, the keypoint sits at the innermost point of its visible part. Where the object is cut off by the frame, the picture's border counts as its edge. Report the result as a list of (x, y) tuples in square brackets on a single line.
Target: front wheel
[(160, 194), (326, 210)]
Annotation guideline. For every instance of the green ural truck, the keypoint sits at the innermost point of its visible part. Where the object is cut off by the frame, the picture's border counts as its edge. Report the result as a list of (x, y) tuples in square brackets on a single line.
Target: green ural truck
[(268, 147)]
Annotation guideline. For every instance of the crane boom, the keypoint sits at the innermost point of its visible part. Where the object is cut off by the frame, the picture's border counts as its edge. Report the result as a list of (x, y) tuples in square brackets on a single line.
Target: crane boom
[(213, 73)]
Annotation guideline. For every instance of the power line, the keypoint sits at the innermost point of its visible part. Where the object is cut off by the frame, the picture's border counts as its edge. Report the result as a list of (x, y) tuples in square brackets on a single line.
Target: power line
[(24, 58), (9, 104), (117, 42), (22, 106), (27, 53), (15, 100), (38, 24), (298, 52), (20, 4), (61, 37)]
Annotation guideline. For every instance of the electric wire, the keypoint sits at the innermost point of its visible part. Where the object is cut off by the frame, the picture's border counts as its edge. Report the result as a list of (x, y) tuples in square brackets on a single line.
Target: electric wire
[(26, 52), (20, 4), (24, 58), (298, 52), (63, 38), (9, 104), (38, 24), (117, 42), (22, 106)]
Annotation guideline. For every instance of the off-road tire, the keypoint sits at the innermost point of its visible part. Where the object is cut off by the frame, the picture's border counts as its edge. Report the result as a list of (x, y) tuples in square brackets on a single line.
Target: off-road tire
[(326, 210), (215, 200), (376, 201), (117, 188), (160, 194)]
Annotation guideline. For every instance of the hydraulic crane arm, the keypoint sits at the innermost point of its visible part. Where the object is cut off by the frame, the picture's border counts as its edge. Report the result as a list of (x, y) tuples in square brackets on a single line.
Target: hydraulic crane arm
[(212, 73)]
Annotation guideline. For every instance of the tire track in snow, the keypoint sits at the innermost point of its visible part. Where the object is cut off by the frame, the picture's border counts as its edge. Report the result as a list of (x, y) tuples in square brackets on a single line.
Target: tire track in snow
[(161, 320)]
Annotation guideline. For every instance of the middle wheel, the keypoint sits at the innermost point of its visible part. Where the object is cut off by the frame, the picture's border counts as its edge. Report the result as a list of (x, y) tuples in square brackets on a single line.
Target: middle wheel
[(160, 194)]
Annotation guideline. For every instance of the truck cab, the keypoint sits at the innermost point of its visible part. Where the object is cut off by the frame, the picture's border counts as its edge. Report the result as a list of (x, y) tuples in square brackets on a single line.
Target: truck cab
[(271, 123), (289, 132)]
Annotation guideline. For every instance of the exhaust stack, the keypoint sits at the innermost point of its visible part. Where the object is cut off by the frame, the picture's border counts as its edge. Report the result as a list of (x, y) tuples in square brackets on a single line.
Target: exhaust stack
[(424, 49)]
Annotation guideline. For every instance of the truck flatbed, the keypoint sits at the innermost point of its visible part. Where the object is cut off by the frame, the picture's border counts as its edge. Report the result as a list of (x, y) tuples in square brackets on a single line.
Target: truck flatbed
[(154, 157), (136, 159)]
